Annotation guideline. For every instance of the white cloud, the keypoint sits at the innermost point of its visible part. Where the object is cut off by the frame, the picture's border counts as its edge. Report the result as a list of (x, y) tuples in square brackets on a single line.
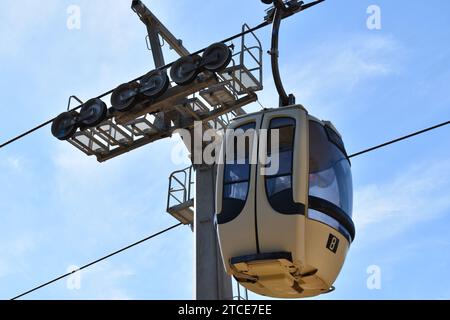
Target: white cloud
[(13, 163), (105, 282), (418, 194), (13, 252), (109, 205), (326, 70), (19, 17)]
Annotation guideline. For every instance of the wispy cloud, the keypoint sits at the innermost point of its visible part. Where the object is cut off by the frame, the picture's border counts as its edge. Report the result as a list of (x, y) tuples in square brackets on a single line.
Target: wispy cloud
[(13, 251), (420, 193), (18, 18), (113, 204), (324, 72), (12, 163), (104, 282), (344, 64)]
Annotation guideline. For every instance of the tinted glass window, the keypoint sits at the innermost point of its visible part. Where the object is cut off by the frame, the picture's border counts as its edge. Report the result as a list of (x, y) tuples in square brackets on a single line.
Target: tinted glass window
[(239, 144), (279, 184), (286, 128), (330, 175), (236, 191), (237, 167), (237, 170), (236, 173)]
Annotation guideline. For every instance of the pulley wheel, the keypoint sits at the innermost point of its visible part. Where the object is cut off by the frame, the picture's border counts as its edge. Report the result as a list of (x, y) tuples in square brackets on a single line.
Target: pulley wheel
[(154, 84), (65, 125), (185, 70), (216, 57), (93, 113), (124, 97)]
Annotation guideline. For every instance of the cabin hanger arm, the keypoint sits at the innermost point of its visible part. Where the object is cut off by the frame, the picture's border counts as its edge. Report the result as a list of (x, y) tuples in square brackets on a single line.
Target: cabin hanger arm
[(280, 11)]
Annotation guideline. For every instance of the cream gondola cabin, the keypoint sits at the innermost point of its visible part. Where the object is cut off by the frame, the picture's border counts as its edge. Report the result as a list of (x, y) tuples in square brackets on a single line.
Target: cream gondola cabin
[(284, 230)]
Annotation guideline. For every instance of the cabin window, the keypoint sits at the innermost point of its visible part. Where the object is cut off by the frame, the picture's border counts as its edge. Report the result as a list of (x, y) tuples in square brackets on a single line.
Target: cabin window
[(330, 180), (236, 180), (279, 184), (330, 175)]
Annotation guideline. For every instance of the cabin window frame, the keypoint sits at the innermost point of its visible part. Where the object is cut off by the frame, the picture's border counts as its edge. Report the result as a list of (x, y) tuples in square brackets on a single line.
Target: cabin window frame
[(325, 206), (291, 207), (231, 211)]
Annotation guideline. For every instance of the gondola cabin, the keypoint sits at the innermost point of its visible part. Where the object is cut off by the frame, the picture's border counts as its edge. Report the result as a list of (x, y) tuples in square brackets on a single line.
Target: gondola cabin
[(284, 203)]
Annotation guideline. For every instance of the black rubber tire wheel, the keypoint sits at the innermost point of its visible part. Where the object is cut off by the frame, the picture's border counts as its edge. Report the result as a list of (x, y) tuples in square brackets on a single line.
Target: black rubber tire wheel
[(124, 97), (185, 70), (154, 84), (93, 113), (65, 125), (216, 57)]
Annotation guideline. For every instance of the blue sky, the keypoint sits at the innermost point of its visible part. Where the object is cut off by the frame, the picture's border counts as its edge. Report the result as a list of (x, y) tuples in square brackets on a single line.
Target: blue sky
[(59, 208)]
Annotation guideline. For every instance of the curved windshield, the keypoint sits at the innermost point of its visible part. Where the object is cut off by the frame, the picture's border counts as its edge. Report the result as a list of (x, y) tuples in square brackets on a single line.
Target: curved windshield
[(330, 176)]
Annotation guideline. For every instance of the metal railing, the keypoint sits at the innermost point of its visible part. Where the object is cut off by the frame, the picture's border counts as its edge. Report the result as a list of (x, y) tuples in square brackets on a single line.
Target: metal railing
[(180, 187), (249, 51), (239, 296), (122, 132)]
